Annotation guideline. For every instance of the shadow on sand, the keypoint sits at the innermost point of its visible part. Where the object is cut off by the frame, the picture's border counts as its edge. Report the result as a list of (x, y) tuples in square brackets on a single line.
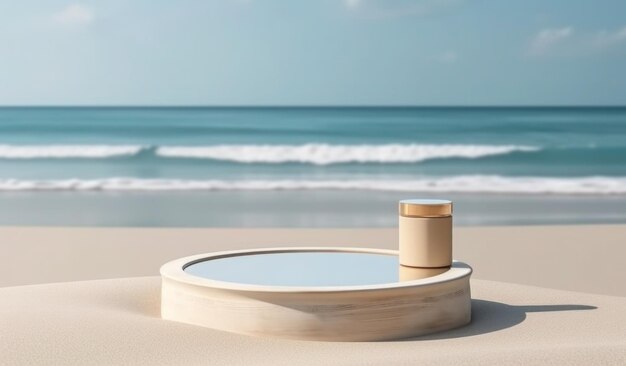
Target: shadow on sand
[(491, 316)]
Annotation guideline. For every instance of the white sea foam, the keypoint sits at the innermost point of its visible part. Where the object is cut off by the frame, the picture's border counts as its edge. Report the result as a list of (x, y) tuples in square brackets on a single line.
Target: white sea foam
[(323, 154), (468, 184), (66, 151)]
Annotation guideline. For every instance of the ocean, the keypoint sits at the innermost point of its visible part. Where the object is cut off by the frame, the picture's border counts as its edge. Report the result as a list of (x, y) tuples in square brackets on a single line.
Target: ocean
[(309, 167)]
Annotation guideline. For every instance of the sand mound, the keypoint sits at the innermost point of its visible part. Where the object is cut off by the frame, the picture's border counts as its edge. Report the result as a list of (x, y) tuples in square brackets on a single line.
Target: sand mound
[(117, 322)]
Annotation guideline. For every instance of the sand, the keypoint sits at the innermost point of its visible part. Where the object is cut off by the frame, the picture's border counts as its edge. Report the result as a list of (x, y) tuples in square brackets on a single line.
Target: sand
[(116, 321), (577, 258)]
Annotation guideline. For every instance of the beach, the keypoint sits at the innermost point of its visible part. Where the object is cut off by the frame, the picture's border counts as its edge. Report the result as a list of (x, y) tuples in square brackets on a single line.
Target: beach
[(310, 183), (295, 209), (541, 295), (96, 200)]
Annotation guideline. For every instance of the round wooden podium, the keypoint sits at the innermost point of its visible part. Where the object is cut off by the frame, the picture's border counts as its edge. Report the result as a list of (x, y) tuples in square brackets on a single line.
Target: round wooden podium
[(315, 293)]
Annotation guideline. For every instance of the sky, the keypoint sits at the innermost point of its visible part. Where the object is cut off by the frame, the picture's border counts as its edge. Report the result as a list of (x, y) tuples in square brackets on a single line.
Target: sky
[(322, 52)]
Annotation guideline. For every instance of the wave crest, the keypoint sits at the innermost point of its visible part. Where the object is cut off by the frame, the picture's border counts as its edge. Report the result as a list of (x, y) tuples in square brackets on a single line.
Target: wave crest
[(323, 154), (458, 184), (317, 154), (66, 151)]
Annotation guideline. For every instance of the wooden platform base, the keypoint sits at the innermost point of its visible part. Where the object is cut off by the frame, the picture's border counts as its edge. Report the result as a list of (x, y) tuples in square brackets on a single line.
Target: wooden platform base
[(346, 313)]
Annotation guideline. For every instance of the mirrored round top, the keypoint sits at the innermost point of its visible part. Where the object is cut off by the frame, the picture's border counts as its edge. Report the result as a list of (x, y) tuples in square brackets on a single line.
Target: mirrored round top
[(304, 269)]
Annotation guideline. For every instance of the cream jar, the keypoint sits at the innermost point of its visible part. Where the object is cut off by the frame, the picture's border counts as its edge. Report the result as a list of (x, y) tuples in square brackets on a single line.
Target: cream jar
[(425, 233)]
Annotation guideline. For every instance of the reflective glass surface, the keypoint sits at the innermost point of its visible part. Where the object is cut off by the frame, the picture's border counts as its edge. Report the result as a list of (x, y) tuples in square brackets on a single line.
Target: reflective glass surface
[(303, 269)]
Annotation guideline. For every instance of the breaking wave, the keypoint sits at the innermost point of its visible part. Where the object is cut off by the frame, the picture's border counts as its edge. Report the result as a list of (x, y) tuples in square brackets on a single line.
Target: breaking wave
[(67, 151), (323, 154), (460, 184), (317, 154)]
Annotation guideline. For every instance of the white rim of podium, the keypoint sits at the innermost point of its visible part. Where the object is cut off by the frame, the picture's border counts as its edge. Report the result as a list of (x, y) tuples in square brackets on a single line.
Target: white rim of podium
[(175, 271)]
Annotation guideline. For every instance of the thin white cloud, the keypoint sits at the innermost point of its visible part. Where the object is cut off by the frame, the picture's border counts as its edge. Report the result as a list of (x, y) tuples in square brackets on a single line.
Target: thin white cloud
[(548, 38), (74, 14), (606, 38)]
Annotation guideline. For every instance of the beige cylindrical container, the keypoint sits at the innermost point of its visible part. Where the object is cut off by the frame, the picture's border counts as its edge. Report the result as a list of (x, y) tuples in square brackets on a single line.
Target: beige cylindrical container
[(425, 233)]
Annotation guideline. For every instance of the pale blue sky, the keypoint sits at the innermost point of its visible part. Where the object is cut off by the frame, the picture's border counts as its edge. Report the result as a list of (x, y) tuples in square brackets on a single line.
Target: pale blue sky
[(323, 52)]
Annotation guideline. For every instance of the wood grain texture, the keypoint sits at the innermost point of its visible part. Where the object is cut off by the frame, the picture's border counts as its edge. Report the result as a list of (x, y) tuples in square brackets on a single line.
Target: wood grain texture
[(346, 313)]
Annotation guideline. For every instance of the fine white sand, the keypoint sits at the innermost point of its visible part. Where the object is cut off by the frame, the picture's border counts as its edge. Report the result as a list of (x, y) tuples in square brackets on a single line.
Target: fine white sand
[(116, 321), (577, 258)]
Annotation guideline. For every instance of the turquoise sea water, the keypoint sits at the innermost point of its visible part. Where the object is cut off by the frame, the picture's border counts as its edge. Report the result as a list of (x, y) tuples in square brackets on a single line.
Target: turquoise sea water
[(352, 158)]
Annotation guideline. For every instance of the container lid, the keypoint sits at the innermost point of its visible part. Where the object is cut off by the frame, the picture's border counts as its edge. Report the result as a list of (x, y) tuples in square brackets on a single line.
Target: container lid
[(425, 208)]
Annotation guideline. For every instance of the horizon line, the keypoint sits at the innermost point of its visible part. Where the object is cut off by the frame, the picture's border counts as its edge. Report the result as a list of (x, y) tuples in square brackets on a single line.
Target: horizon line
[(312, 106)]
